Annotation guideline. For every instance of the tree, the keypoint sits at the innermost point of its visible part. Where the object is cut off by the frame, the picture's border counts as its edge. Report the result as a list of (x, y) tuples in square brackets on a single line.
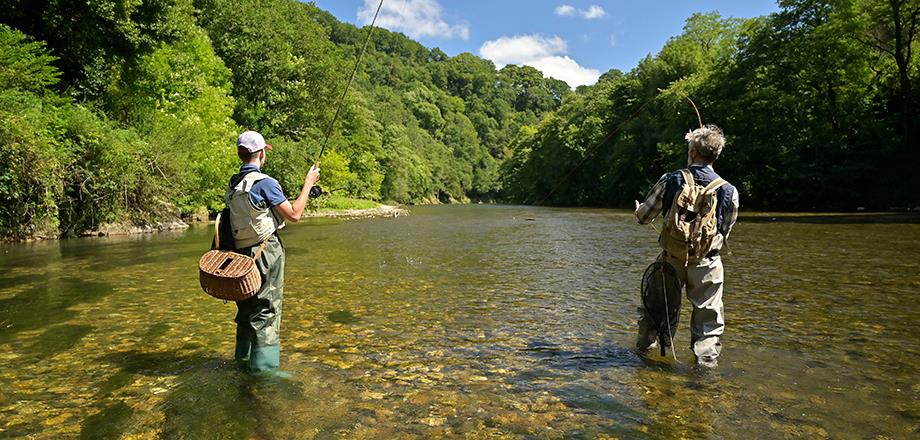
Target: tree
[(892, 27)]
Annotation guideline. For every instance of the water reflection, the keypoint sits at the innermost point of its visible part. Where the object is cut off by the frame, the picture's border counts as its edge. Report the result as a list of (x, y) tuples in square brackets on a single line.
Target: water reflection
[(470, 320)]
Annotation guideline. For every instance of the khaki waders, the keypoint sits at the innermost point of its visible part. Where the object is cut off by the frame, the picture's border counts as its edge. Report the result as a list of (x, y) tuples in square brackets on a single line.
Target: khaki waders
[(703, 281)]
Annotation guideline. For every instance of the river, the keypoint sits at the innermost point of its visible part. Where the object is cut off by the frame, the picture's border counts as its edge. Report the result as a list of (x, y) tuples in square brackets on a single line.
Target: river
[(467, 321)]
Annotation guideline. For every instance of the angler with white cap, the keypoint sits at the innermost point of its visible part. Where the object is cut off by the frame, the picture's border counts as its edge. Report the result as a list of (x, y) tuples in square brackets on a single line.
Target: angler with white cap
[(256, 210)]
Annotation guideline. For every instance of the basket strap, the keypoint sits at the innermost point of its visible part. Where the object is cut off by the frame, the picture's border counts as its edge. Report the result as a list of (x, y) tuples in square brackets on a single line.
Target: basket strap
[(261, 247), (216, 231)]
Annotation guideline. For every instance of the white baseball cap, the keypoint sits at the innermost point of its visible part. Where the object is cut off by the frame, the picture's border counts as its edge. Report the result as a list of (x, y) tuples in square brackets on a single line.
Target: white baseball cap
[(252, 141)]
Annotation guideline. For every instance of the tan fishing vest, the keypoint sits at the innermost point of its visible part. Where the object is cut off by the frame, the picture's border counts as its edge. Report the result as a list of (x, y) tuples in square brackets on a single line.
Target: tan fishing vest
[(251, 225), (690, 229)]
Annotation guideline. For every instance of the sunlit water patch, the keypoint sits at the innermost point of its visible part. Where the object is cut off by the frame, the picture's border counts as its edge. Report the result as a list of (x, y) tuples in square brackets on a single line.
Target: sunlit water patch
[(466, 321)]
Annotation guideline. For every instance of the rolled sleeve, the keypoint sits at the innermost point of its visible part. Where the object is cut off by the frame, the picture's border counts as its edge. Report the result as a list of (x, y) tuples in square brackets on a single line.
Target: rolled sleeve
[(732, 216), (654, 201)]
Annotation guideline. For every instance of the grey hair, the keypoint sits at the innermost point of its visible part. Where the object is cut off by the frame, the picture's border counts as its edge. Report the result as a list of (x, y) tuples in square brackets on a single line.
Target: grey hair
[(708, 141)]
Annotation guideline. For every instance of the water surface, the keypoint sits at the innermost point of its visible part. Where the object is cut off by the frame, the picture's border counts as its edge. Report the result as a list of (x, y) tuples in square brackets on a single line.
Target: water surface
[(476, 321)]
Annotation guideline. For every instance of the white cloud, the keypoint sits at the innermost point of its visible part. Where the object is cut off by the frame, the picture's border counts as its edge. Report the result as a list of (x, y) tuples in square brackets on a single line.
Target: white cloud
[(547, 54), (593, 12), (613, 40), (563, 10), (415, 18)]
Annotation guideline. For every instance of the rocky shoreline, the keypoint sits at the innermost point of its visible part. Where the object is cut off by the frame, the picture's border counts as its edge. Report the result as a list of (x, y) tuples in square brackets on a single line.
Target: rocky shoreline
[(348, 214), (175, 223)]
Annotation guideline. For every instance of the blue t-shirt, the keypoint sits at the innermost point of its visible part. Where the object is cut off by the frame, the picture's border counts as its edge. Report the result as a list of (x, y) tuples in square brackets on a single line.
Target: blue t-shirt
[(265, 193)]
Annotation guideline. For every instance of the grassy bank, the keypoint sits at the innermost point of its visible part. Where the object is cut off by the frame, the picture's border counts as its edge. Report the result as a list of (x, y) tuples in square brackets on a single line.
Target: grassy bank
[(335, 202)]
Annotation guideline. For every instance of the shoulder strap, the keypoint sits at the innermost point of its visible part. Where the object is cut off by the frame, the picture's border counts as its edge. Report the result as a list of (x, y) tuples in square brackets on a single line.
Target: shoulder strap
[(261, 247), (688, 177), (251, 178), (714, 185), (217, 231)]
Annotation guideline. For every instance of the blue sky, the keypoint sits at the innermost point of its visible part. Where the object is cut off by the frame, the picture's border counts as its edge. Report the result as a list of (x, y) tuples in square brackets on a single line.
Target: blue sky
[(571, 40)]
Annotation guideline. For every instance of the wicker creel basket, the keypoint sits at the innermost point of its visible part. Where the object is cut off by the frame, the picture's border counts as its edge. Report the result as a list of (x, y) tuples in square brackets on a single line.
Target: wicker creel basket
[(227, 275)]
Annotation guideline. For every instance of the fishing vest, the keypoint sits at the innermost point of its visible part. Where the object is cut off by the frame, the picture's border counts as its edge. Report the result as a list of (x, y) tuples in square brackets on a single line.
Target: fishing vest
[(250, 225), (690, 228)]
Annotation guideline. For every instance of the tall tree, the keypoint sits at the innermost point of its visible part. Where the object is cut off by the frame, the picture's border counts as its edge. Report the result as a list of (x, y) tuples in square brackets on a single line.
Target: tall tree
[(892, 27)]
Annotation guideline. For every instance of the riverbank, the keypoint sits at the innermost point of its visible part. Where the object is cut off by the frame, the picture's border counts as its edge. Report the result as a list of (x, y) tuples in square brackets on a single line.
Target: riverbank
[(348, 214), (346, 210), (333, 207)]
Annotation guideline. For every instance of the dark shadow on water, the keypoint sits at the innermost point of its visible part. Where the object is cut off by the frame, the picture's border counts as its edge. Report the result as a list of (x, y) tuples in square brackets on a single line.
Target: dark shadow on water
[(342, 317), (583, 358), (155, 331), (54, 340), (46, 303), (586, 400), (164, 363), (843, 219), (556, 363), (111, 422), (230, 403), (212, 398), (116, 417), (17, 280)]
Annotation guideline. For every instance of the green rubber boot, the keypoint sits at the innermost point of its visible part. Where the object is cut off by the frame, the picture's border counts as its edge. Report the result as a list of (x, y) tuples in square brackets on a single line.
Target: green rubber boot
[(241, 354), (267, 358)]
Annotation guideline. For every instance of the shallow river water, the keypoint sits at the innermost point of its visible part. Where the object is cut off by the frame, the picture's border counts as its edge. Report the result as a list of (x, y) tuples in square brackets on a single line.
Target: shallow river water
[(467, 321)]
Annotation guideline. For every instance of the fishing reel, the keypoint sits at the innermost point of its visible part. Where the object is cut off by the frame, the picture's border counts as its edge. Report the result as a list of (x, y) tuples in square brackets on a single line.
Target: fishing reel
[(315, 191)]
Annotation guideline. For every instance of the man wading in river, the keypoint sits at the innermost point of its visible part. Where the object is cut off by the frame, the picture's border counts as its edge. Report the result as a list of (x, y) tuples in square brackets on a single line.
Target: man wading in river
[(257, 209), (688, 245)]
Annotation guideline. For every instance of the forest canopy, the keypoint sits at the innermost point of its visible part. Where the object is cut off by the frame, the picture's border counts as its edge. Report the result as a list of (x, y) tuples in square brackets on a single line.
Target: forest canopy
[(116, 110)]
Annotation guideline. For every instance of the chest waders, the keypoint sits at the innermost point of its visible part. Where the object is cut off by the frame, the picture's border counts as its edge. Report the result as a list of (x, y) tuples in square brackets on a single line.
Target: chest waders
[(258, 319)]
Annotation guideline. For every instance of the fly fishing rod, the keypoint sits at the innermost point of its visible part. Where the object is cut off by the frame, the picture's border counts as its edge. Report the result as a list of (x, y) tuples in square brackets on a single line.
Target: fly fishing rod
[(316, 191), (610, 136), (590, 151)]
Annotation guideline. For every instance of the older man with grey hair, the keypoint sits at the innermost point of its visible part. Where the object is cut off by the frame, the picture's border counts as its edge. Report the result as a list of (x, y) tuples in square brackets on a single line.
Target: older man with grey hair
[(701, 270)]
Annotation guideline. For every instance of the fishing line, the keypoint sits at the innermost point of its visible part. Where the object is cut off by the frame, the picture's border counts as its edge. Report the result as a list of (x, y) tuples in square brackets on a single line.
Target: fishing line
[(590, 151), (634, 115), (697, 110), (316, 191), (354, 72)]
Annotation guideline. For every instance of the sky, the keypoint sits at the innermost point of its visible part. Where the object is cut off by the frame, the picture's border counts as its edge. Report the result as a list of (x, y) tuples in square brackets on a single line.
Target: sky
[(572, 40)]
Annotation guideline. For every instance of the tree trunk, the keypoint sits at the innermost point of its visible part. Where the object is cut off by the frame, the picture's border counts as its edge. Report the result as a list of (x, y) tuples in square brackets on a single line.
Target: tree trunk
[(902, 55)]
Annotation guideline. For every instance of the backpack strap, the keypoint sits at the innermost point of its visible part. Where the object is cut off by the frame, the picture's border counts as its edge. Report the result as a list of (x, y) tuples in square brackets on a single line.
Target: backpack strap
[(714, 185), (688, 177)]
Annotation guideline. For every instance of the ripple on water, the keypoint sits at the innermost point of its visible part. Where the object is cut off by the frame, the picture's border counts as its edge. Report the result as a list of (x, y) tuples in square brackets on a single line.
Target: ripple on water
[(512, 322)]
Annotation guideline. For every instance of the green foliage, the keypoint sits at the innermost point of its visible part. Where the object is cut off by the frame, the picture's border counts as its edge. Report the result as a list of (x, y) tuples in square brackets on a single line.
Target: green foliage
[(105, 173), (25, 65), (334, 202), (32, 165), (94, 39), (286, 73), (811, 98), (820, 96)]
